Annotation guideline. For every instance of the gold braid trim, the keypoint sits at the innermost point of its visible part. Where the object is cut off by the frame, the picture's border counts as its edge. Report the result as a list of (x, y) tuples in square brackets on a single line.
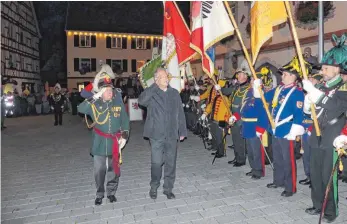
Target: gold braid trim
[(96, 115)]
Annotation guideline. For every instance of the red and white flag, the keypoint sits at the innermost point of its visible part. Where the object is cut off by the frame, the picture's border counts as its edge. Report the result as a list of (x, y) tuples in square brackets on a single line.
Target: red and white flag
[(210, 24), (176, 42)]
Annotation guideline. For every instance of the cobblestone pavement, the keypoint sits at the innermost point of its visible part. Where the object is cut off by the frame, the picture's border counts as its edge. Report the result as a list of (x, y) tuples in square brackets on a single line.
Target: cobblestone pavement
[(47, 177)]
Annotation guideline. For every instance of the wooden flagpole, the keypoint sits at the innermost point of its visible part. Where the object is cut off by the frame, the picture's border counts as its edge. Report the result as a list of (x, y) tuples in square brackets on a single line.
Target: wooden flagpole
[(249, 63), (302, 64)]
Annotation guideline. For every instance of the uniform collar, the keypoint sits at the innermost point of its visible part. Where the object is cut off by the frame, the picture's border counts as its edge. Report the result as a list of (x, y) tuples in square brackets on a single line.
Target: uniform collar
[(333, 82), (289, 85)]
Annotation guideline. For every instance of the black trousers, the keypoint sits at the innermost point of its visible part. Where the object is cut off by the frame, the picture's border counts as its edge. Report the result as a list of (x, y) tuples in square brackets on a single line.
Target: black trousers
[(103, 169), (321, 165), (239, 144), (284, 164), (217, 138), (58, 117), (164, 152), (74, 109), (256, 156)]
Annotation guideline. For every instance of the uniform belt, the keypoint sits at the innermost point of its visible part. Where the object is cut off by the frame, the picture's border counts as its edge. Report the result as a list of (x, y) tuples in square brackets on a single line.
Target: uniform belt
[(249, 119), (308, 121)]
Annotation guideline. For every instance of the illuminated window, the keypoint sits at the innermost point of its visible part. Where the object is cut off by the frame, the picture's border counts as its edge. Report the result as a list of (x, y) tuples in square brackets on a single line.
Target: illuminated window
[(85, 41)]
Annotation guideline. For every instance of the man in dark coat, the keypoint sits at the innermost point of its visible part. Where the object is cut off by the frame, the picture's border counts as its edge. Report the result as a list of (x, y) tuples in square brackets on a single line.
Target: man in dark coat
[(57, 105), (165, 125), (74, 99)]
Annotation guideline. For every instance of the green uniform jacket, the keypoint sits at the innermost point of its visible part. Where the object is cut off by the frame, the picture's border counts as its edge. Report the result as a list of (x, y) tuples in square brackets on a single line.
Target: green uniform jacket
[(110, 117)]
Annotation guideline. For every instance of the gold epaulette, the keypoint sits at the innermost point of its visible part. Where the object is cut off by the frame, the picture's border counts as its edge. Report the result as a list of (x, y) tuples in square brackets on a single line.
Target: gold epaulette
[(343, 87)]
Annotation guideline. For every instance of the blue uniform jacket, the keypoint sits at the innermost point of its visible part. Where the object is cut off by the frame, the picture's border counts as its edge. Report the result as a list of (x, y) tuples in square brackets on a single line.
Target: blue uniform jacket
[(253, 115), (285, 110)]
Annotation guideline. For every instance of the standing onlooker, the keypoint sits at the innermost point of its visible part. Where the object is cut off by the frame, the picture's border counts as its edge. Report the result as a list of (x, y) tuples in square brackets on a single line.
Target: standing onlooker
[(38, 103), (74, 99)]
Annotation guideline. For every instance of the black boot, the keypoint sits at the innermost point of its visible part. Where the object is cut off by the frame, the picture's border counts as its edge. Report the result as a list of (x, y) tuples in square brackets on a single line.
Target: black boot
[(112, 198), (98, 201)]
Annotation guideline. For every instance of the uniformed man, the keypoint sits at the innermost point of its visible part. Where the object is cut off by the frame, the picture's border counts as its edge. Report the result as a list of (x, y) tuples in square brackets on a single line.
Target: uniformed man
[(254, 125), (331, 107), (316, 79), (237, 95), (111, 128), (287, 112), (57, 101), (217, 112)]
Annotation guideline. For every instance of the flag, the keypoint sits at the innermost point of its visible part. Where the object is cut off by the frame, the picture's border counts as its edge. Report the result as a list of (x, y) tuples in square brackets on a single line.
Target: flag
[(176, 39), (210, 24), (265, 15)]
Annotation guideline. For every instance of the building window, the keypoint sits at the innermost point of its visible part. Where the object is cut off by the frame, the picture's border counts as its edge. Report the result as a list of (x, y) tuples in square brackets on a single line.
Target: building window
[(140, 43), (117, 66), (85, 41), (28, 42), (85, 64), (18, 37), (116, 42), (157, 42)]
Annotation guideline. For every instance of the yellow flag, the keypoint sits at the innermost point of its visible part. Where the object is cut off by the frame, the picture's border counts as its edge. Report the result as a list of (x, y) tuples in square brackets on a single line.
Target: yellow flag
[(265, 15)]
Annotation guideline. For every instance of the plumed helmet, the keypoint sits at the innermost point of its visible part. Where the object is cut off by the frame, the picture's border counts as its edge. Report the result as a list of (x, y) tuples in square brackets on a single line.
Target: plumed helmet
[(103, 78), (57, 86), (265, 74), (244, 67), (293, 67), (337, 56)]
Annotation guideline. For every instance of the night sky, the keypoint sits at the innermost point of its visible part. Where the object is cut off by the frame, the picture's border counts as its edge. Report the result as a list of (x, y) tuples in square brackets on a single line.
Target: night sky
[(136, 17)]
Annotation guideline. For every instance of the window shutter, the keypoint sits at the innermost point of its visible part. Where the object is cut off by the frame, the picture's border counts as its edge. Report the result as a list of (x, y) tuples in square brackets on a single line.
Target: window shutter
[(148, 43), (133, 65), (108, 42), (108, 61), (93, 41), (160, 43), (93, 62), (125, 65), (76, 63), (133, 43), (124, 43), (76, 41)]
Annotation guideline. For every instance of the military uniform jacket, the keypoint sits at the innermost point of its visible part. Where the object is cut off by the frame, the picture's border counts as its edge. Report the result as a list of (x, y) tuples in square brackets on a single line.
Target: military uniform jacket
[(56, 100), (331, 112), (286, 103), (253, 116), (110, 117), (208, 95), (237, 97), (217, 109)]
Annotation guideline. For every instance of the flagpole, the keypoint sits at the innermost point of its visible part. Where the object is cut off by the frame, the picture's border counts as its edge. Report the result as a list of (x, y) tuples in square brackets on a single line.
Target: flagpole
[(321, 31), (249, 63), (302, 64)]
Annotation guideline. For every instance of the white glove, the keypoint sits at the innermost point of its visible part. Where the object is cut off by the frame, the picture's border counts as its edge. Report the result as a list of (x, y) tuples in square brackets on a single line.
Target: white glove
[(99, 94), (187, 106), (313, 93), (196, 98), (62, 107), (192, 97), (183, 105), (203, 106), (197, 88), (295, 130), (256, 85), (52, 108), (203, 117), (340, 141), (217, 87), (307, 105), (121, 143), (232, 120)]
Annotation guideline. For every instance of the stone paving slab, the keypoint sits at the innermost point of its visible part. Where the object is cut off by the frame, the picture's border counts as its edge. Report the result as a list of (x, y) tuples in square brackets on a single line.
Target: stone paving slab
[(47, 178)]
